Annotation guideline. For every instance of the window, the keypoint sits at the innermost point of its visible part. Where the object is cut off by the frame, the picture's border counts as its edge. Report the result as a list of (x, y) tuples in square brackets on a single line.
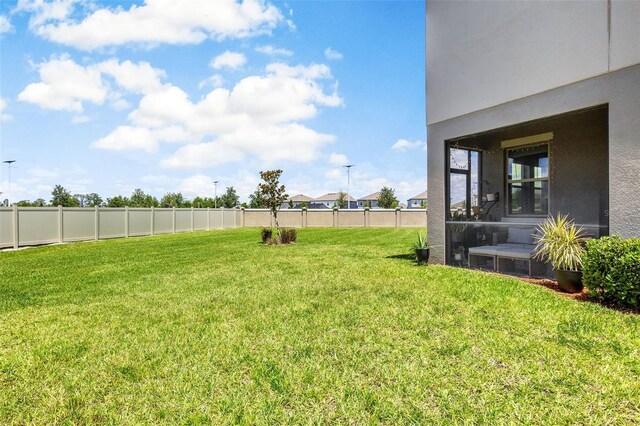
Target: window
[(528, 180)]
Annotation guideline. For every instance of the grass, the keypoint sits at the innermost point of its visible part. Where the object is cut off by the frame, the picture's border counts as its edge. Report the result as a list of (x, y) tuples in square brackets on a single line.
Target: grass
[(343, 327)]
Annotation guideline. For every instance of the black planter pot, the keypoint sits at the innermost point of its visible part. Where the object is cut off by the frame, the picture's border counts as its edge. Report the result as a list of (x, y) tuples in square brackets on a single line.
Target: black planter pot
[(422, 255), (569, 281)]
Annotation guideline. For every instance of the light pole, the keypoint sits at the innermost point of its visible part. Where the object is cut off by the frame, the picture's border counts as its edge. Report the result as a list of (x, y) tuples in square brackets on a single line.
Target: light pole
[(348, 166), (9, 162), (215, 196)]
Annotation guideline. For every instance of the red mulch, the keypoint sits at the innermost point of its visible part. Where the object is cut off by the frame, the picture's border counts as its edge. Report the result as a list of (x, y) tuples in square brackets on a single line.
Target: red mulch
[(583, 296)]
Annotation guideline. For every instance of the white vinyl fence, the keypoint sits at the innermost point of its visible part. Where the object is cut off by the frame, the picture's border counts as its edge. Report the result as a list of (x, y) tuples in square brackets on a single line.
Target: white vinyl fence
[(27, 226)]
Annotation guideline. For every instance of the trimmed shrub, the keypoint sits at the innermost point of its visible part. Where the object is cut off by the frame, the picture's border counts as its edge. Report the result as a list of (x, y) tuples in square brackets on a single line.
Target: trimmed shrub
[(288, 235), (267, 234), (611, 270)]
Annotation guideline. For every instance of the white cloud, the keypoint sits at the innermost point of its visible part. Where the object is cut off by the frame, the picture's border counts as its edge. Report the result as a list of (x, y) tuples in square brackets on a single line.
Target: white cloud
[(42, 173), (338, 159), (233, 60), (65, 85), (152, 23), (214, 81), (126, 138), (272, 144), (135, 78), (5, 25), (331, 54), (3, 106), (403, 145), (79, 119), (270, 50), (258, 117)]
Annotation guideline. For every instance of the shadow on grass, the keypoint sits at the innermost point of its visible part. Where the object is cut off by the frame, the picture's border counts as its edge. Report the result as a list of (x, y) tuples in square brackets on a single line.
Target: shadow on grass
[(406, 256)]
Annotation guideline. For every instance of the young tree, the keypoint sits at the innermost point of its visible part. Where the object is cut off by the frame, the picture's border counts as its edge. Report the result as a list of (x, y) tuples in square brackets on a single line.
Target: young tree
[(203, 203), (342, 200), (61, 197), (273, 194), (229, 199), (387, 198)]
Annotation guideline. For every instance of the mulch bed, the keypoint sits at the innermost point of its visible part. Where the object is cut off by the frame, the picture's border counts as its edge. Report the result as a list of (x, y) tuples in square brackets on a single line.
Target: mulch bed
[(583, 296)]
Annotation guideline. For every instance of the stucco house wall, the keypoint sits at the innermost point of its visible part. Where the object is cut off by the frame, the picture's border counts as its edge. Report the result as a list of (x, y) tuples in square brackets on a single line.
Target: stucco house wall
[(491, 65)]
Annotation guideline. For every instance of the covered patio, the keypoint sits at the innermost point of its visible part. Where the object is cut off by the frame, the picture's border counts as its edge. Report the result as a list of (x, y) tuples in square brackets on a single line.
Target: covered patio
[(501, 183)]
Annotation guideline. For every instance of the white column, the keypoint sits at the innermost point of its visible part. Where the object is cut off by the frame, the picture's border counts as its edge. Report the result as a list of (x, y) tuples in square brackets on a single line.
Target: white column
[(126, 221), (16, 231), (60, 223), (96, 222)]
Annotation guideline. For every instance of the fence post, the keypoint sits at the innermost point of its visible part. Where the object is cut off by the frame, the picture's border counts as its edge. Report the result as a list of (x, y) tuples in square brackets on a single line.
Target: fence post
[(367, 217), (208, 219), (335, 218), (192, 218), (153, 220), (96, 222), (397, 217), (242, 217), (16, 232), (304, 217), (173, 221), (60, 223), (126, 221)]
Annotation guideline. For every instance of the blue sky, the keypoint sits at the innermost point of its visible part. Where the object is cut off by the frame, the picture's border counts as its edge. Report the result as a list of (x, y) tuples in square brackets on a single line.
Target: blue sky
[(168, 96)]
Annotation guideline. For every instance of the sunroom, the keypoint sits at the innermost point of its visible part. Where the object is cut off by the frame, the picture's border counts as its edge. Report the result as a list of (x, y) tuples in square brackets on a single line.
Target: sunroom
[(501, 183)]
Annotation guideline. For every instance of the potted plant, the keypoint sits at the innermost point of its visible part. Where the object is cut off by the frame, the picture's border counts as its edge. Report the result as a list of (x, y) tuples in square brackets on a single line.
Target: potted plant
[(561, 243), (421, 248)]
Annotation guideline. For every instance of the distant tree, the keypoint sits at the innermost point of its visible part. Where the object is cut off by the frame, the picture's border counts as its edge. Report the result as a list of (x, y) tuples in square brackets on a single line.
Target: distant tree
[(290, 203), (229, 199), (140, 199), (172, 199), (386, 198), (244, 205), (61, 197), (27, 203), (117, 201), (81, 199), (342, 200), (367, 204), (256, 201), (423, 204), (273, 193), (304, 205), (94, 200), (203, 203)]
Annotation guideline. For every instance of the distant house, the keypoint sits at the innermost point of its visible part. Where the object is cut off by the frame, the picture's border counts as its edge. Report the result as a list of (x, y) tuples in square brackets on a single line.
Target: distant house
[(417, 201), (327, 201), (371, 199), (297, 201)]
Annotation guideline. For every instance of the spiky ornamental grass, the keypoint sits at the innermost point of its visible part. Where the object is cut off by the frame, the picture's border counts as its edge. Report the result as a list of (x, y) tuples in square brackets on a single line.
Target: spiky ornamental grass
[(340, 328), (560, 242)]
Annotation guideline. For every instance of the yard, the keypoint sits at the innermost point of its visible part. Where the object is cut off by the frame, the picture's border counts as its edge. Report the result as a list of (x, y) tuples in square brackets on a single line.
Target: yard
[(342, 327)]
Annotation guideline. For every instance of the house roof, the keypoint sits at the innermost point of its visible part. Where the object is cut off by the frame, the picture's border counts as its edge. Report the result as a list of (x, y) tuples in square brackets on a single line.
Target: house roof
[(300, 198), (370, 197), (332, 196), (420, 196)]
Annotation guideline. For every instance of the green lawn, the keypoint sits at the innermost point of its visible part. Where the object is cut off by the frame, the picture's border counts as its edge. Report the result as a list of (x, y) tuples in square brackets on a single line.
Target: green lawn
[(343, 327)]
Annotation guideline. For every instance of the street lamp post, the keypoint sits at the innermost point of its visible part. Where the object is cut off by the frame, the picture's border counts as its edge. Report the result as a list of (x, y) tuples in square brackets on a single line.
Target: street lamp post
[(9, 162), (215, 196), (348, 166)]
